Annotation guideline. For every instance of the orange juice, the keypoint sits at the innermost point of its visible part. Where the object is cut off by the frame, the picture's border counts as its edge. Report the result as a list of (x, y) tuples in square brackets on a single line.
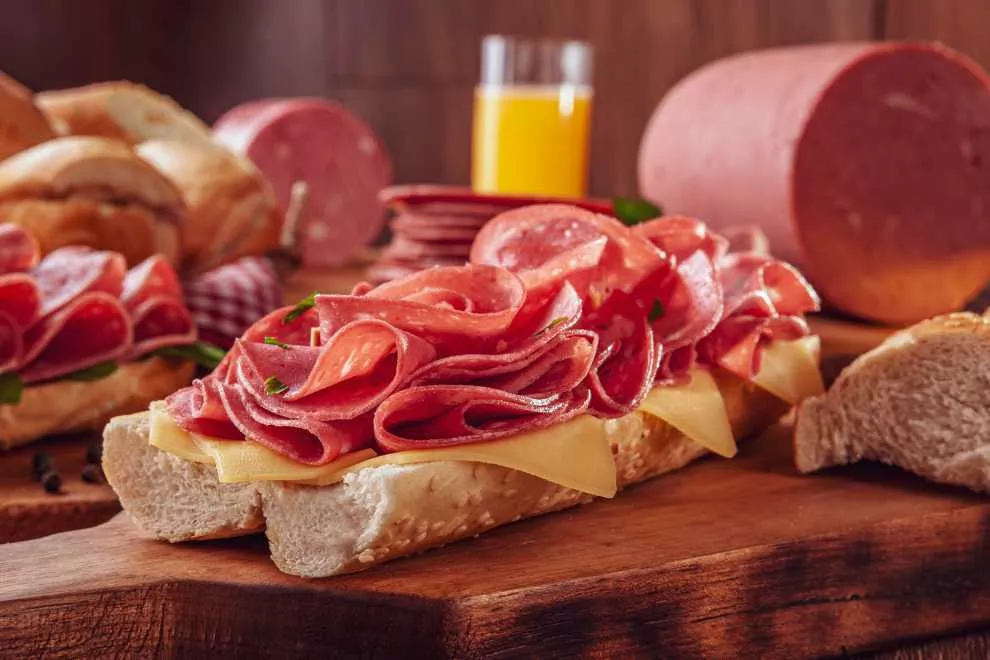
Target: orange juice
[(531, 140)]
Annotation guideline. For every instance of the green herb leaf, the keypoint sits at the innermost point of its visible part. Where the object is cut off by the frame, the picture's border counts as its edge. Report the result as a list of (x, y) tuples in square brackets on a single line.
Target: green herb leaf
[(560, 320), (656, 312), (274, 386), (204, 354), (301, 308), (96, 372), (634, 211), (274, 342), (11, 388)]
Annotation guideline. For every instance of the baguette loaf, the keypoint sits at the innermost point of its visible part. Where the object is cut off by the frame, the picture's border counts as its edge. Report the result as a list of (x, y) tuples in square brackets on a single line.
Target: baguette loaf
[(920, 401), (217, 185), (120, 110), (92, 191), (69, 406), (380, 513), (22, 125)]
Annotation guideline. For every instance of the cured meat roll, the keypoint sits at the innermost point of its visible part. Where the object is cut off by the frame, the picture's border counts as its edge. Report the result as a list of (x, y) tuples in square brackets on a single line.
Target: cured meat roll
[(338, 155), (864, 163)]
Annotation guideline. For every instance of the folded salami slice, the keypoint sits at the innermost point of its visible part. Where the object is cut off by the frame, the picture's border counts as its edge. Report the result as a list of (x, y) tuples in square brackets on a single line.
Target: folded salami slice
[(11, 343), (338, 155), (445, 415), (69, 272), (153, 297), (93, 328), (19, 250), (20, 298), (361, 365), (305, 440)]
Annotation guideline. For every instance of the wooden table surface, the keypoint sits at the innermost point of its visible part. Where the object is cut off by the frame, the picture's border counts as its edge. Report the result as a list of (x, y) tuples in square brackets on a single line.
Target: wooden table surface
[(741, 558)]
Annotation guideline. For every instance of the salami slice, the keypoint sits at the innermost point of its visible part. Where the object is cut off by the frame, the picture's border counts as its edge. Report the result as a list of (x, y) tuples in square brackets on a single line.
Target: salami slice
[(19, 250), (152, 278), (307, 441), (454, 309), (445, 415), (338, 155), (11, 342), (67, 273), (93, 328), (20, 298), (361, 365)]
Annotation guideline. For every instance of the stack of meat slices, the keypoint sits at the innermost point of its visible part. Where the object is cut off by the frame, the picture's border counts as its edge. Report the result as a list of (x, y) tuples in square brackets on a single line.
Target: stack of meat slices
[(436, 225)]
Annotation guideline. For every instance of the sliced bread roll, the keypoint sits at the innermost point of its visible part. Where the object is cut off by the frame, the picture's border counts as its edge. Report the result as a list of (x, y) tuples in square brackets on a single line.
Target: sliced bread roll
[(920, 401), (70, 406), (232, 209), (22, 125), (92, 191), (380, 513), (120, 110)]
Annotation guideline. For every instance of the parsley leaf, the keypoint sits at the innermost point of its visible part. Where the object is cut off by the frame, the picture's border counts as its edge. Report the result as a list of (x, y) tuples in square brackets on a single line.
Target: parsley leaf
[(656, 312), (274, 342), (301, 308), (560, 320), (634, 211), (274, 386), (204, 354), (11, 388), (96, 372)]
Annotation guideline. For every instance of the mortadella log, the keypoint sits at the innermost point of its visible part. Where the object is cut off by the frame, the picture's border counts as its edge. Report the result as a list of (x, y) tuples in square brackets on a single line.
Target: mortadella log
[(865, 163)]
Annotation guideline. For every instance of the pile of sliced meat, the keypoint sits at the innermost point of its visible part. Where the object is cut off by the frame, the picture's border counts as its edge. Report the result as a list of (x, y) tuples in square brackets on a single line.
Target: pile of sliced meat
[(560, 312), (436, 226), (80, 307)]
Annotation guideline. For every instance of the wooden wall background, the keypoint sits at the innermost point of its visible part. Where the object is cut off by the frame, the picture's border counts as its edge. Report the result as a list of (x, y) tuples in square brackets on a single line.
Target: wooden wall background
[(409, 66)]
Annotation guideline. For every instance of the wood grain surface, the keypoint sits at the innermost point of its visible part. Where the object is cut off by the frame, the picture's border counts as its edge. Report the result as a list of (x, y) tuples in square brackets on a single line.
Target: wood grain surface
[(741, 558), (27, 511)]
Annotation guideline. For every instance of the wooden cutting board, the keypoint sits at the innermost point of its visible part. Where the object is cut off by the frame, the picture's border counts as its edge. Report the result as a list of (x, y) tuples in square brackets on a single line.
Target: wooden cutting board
[(741, 558), (27, 511)]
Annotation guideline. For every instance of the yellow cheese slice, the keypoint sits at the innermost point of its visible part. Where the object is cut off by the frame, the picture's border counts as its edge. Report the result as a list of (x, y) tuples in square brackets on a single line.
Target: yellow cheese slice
[(575, 454), (696, 409), (789, 369)]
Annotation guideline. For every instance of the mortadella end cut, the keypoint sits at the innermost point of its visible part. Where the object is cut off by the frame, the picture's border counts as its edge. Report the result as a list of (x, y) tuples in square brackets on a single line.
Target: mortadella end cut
[(864, 163), (338, 155)]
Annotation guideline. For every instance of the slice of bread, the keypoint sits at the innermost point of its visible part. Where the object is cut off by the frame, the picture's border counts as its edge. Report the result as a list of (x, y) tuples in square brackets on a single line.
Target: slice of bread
[(92, 191), (70, 406), (920, 401), (384, 512)]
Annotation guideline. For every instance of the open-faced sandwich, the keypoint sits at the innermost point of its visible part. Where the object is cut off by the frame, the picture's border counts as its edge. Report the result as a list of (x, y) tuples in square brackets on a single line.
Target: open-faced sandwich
[(82, 338), (571, 357)]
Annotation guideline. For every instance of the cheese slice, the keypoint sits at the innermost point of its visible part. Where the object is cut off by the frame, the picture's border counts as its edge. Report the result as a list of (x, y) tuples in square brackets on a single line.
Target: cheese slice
[(696, 409), (575, 454), (789, 369)]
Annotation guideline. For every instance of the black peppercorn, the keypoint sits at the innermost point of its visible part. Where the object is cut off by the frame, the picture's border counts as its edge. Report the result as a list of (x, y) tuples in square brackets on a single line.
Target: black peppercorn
[(94, 452), (51, 481), (92, 474), (40, 464)]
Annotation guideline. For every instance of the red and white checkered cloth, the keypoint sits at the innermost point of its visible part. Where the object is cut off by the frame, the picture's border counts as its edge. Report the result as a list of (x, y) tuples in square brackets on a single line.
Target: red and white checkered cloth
[(225, 301)]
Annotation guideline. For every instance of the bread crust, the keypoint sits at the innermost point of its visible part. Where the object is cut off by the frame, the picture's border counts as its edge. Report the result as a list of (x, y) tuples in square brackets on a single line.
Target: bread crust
[(69, 406), (92, 191), (216, 183), (381, 513), (120, 110), (22, 124), (918, 401)]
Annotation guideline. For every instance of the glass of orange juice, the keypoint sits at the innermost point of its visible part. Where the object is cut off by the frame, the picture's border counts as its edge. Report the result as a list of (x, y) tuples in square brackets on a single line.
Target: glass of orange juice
[(532, 117)]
